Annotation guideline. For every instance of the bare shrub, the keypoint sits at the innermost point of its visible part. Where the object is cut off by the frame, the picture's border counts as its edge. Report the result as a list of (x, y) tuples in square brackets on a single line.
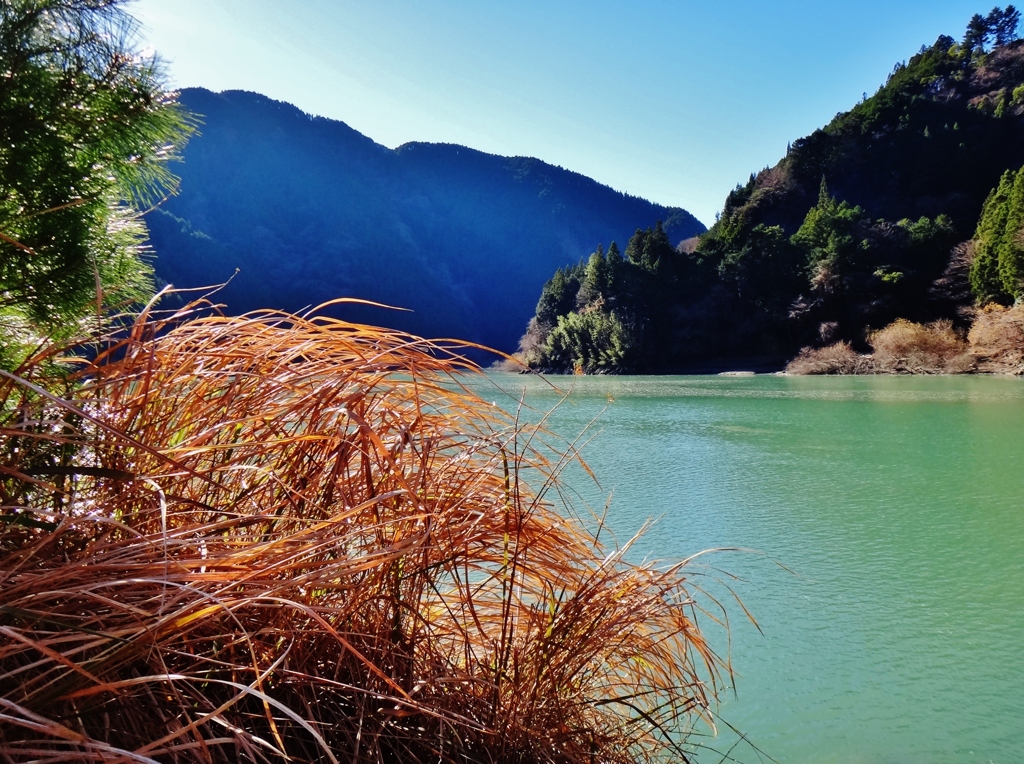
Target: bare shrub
[(839, 358), (824, 277), (828, 330), (772, 183), (531, 348), (776, 178), (954, 286), (997, 338), (905, 347), (688, 246)]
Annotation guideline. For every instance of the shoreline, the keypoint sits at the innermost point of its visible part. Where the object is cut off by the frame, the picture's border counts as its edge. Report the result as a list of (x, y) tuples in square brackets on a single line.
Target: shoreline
[(981, 368)]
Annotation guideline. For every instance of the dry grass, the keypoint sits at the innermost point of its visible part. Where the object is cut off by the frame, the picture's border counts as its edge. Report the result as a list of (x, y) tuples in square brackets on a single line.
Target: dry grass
[(838, 358), (275, 538), (904, 347), (997, 339)]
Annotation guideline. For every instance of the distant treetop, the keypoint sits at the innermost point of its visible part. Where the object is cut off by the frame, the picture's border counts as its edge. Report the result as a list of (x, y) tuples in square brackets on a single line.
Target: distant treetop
[(999, 27)]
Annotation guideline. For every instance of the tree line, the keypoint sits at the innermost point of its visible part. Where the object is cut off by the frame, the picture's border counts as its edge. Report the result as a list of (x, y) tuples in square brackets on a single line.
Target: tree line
[(606, 313), (853, 229)]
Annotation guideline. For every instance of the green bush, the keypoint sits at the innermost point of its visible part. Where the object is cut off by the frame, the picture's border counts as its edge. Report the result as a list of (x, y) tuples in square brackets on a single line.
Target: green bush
[(591, 341)]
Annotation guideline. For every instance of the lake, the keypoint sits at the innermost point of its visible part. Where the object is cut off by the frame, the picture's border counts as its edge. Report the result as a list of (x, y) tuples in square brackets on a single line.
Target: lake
[(888, 518)]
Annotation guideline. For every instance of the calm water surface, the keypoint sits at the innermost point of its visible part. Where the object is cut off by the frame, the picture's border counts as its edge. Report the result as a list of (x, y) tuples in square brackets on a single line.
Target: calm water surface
[(895, 630)]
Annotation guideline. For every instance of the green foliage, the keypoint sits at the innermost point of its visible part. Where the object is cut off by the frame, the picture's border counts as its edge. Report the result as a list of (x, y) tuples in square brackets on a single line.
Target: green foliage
[(997, 274), (635, 247), (591, 341), (610, 313), (558, 296), (766, 270), (1002, 102), (614, 258), (926, 236), (1003, 24), (739, 196), (985, 282), (888, 276), (977, 33), (903, 97), (86, 129), (657, 249), (828, 233), (924, 230), (597, 279), (649, 249), (1011, 248), (617, 274)]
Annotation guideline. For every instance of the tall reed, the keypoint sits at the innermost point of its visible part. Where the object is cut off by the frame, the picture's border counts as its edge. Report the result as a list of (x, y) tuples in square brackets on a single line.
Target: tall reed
[(285, 538)]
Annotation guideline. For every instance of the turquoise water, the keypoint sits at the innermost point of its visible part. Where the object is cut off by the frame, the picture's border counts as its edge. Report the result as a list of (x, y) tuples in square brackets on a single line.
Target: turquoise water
[(888, 518)]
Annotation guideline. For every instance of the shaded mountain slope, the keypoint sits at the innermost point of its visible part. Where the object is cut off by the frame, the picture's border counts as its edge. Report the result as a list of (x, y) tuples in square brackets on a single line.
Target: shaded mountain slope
[(857, 226), (934, 139), (873, 203), (307, 209)]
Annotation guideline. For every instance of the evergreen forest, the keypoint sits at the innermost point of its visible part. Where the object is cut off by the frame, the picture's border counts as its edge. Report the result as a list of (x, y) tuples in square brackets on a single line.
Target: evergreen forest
[(908, 206)]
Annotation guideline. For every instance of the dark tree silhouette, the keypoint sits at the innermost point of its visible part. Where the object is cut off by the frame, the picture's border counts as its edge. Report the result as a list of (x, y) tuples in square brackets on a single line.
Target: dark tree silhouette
[(977, 34)]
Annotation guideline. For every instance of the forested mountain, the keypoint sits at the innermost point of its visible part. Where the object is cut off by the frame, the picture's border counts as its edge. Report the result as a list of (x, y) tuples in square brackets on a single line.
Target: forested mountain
[(307, 209), (856, 226)]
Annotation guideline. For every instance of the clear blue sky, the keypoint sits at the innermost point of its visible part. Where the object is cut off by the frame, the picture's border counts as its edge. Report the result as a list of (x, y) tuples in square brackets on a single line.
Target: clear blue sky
[(671, 100)]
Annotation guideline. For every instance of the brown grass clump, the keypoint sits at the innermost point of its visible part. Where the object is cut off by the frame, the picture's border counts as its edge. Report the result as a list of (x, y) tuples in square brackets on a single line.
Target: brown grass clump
[(277, 538), (839, 358), (904, 347), (997, 339)]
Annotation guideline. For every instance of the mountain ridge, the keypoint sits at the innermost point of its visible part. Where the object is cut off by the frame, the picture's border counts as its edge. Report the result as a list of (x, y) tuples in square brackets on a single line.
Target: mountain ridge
[(310, 209), (863, 222)]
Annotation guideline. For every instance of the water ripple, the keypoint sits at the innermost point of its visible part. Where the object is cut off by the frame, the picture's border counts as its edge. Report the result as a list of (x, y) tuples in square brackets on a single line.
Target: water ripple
[(896, 504)]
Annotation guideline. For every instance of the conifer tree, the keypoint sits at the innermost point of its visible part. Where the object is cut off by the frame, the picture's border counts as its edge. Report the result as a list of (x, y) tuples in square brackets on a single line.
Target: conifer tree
[(976, 36), (984, 276), (614, 257), (557, 297), (596, 279), (636, 245), (829, 237), (656, 249), (86, 129), (1002, 25), (616, 266), (1010, 247)]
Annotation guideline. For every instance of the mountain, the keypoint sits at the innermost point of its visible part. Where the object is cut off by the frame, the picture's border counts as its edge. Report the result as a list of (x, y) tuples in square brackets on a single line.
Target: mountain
[(308, 209), (863, 222)]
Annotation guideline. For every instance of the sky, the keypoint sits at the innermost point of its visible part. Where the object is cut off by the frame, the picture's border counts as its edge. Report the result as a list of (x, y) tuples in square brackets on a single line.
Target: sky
[(671, 100)]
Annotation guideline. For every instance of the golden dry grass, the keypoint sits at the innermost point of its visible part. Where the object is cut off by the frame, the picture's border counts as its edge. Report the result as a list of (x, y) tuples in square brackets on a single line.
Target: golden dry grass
[(838, 358), (902, 347), (279, 538), (997, 338), (907, 347)]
